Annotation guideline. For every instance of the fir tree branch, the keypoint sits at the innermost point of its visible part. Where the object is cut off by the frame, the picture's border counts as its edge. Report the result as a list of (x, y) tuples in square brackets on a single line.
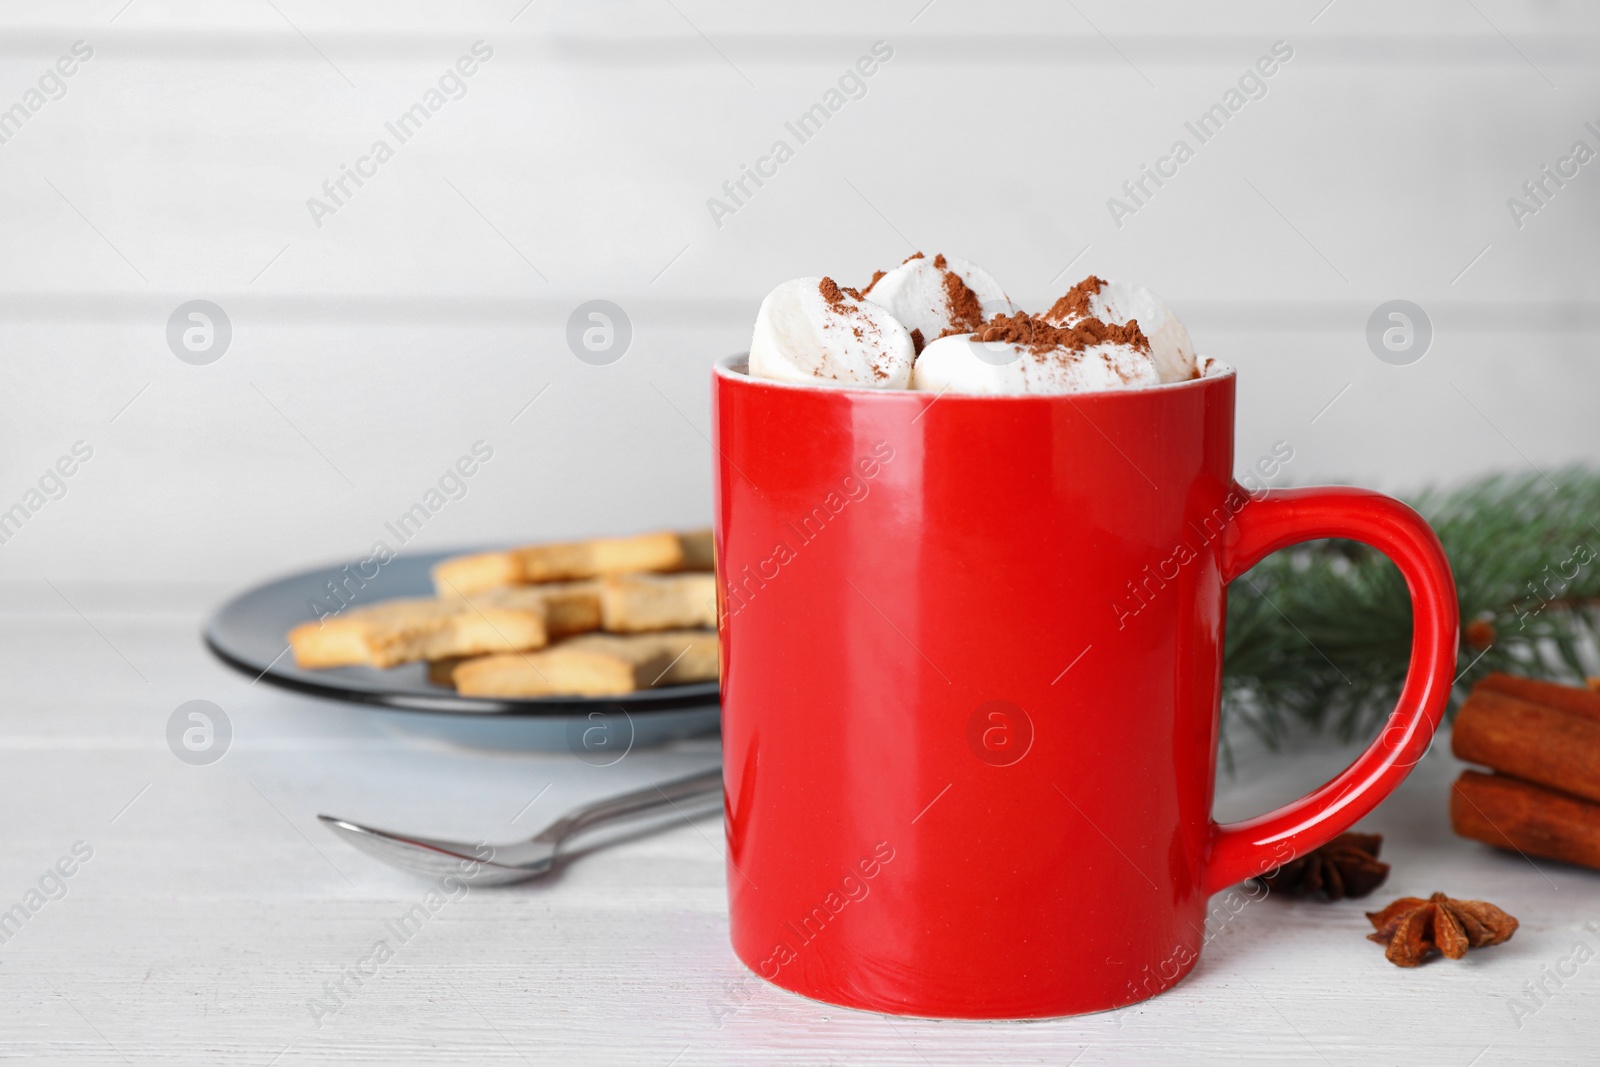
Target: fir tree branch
[(1526, 556)]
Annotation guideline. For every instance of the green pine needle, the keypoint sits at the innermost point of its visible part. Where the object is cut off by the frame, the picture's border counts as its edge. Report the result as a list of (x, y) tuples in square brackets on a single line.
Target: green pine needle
[(1319, 635)]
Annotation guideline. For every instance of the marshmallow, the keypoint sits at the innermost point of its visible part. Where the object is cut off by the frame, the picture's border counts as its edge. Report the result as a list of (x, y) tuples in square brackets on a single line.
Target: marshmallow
[(932, 295), (1122, 302), (961, 363), (810, 330)]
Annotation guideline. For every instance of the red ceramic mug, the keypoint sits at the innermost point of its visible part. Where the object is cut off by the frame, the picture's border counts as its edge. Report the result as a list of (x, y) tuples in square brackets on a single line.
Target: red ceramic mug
[(971, 670)]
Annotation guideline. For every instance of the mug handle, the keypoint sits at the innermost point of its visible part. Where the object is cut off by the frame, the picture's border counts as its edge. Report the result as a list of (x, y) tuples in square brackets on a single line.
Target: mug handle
[(1281, 517)]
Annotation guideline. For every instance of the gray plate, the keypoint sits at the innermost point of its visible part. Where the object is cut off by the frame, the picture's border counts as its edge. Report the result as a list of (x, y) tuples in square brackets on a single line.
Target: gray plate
[(248, 634)]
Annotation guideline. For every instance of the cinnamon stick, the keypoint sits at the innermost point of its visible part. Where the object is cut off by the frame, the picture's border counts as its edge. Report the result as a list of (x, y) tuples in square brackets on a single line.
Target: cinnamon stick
[(1525, 818), (1533, 741), (1585, 702)]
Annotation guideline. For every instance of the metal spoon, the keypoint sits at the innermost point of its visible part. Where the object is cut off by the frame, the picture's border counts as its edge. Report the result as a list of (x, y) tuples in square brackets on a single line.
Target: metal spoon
[(483, 864)]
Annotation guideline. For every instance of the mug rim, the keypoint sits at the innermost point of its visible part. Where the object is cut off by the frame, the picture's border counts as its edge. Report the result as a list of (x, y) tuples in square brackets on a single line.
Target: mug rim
[(735, 368)]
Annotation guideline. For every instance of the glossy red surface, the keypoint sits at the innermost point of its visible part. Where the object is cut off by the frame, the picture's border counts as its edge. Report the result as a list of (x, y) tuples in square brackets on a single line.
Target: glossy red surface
[(972, 652)]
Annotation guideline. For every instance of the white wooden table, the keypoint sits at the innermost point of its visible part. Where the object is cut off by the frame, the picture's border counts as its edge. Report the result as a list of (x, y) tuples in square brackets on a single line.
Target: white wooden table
[(214, 908)]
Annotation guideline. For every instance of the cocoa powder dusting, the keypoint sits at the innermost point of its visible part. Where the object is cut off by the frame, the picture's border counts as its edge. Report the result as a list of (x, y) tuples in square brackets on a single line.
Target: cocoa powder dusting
[(917, 342), (834, 294), (876, 275), (1075, 304), (1036, 335), (966, 313), (938, 261), (908, 259)]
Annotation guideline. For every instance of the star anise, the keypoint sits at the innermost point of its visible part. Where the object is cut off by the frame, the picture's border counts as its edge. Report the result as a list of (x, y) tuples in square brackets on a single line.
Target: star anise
[(1413, 928), (1347, 866)]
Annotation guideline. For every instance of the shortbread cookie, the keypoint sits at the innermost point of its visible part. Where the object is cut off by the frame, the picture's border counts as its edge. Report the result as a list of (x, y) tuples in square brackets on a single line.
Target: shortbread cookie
[(441, 671), (461, 576), (568, 607), (400, 631), (593, 665), (636, 603), (699, 551), (669, 657), (465, 575)]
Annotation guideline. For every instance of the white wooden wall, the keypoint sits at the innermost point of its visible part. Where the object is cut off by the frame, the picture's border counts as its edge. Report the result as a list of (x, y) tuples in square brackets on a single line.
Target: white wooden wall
[(423, 316)]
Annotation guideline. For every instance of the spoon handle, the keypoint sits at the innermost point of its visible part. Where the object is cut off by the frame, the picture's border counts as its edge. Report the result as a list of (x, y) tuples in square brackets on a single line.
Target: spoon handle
[(658, 799)]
